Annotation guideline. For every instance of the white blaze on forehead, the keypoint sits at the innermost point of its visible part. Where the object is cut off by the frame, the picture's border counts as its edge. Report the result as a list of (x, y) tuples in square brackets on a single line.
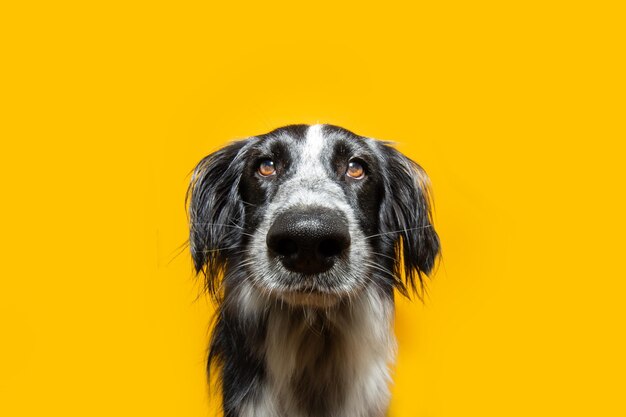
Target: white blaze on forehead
[(310, 167), (313, 144), (311, 183)]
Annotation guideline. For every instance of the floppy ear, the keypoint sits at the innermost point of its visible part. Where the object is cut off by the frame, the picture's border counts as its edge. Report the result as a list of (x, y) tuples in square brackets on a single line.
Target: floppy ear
[(216, 212), (406, 220)]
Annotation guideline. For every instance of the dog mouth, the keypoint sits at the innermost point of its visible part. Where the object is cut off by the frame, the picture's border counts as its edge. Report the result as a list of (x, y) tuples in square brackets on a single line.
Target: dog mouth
[(310, 297), (299, 290), (316, 292)]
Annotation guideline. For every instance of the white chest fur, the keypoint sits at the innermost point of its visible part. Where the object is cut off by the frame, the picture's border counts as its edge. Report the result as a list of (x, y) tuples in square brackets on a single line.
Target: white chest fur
[(332, 362)]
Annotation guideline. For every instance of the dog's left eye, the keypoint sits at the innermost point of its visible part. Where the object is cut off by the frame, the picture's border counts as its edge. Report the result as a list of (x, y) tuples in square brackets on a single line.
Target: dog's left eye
[(355, 170), (267, 168)]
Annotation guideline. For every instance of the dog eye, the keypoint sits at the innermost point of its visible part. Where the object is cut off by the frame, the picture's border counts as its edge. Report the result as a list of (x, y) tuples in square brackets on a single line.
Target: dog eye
[(267, 168), (355, 170)]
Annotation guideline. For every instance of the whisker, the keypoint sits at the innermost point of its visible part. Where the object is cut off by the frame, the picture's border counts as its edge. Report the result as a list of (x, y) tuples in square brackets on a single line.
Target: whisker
[(180, 250), (371, 281), (398, 231), (249, 204), (215, 224), (220, 249), (224, 225), (381, 269), (383, 255)]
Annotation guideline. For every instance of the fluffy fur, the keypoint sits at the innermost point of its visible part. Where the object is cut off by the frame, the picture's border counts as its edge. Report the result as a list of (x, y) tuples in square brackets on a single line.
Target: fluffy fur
[(298, 344)]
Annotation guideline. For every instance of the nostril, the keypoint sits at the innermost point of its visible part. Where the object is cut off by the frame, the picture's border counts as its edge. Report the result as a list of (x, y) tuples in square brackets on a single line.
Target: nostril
[(330, 247), (286, 247)]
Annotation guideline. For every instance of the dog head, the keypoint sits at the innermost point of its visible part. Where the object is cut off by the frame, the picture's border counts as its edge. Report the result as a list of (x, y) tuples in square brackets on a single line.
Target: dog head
[(311, 215)]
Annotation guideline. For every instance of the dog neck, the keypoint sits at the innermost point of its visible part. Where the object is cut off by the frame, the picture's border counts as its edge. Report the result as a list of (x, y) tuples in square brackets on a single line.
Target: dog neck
[(321, 361)]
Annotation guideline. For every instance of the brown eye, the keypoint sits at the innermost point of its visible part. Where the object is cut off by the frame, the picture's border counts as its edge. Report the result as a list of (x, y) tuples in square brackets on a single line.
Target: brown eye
[(355, 170), (267, 168)]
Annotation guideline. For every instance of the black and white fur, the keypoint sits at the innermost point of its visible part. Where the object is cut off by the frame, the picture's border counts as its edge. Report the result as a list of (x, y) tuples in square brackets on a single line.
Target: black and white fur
[(308, 344)]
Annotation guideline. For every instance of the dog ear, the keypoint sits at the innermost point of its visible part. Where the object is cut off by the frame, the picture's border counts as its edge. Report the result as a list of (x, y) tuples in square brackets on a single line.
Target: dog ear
[(406, 220), (216, 212)]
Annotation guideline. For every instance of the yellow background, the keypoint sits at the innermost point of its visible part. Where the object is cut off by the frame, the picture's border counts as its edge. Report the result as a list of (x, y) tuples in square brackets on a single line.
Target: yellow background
[(515, 109)]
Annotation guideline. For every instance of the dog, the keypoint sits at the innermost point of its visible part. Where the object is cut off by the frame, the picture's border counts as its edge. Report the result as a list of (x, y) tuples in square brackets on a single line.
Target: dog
[(302, 235)]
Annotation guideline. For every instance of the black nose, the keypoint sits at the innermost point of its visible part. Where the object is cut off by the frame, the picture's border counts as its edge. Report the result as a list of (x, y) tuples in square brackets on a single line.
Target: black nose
[(309, 240)]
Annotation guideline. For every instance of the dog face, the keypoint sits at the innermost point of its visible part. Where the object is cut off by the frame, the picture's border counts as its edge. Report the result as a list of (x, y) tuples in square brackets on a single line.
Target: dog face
[(312, 214)]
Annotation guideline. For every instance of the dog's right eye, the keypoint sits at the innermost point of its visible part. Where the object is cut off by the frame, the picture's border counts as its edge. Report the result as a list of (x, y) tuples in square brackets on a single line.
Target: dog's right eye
[(267, 168)]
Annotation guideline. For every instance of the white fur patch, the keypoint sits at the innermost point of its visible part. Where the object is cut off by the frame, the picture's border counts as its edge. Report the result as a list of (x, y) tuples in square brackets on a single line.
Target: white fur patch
[(314, 142), (368, 347)]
